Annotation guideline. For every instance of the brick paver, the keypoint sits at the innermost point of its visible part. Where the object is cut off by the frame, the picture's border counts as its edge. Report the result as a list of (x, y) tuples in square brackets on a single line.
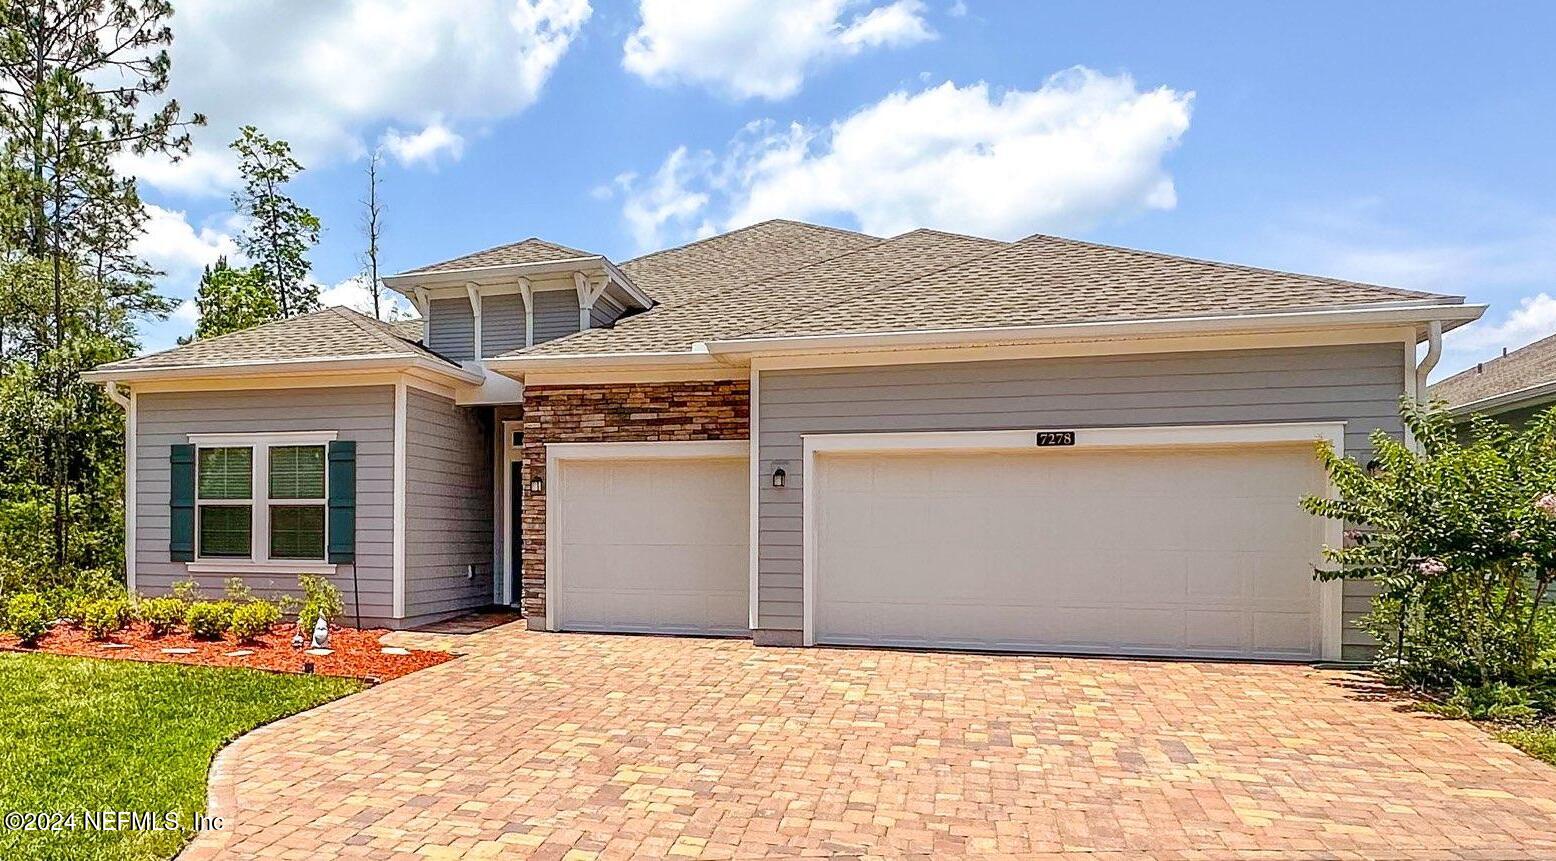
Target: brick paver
[(581, 746)]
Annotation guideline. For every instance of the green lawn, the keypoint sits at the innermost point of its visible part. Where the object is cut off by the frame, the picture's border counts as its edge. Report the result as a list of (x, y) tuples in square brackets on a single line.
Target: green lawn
[(79, 734)]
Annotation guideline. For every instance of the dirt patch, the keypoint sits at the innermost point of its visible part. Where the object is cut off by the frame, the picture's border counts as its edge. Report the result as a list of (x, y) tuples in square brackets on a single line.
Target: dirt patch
[(356, 653)]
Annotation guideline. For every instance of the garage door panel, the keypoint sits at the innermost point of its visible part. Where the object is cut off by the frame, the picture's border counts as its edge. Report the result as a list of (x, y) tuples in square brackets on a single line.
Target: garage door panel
[(652, 545), (1155, 552)]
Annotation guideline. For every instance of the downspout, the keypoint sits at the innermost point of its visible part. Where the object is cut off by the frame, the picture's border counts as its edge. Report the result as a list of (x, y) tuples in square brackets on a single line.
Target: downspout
[(118, 397), (127, 402), (1434, 352)]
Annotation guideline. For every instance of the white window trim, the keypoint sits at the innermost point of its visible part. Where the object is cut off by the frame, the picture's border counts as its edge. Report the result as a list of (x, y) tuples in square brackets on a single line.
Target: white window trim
[(512, 553), (557, 453), (1330, 592), (259, 502)]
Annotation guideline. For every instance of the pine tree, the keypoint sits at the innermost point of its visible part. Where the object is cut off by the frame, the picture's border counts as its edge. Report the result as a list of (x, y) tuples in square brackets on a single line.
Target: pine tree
[(76, 77), (231, 299), (279, 231)]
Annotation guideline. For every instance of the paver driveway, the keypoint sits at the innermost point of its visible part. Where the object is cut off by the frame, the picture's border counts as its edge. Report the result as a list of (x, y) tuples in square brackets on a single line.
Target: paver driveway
[(566, 745)]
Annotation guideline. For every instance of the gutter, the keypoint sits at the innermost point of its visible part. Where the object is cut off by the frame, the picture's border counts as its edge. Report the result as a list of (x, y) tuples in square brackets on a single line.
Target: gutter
[(282, 367), (1393, 314)]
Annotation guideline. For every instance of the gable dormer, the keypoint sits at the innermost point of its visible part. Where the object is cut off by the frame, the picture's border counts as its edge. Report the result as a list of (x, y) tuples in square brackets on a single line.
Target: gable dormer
[(507, 298)]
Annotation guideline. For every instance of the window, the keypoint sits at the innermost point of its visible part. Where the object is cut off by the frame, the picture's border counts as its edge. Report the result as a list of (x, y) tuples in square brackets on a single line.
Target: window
[(224, 494), (262, 499), (297, 527)]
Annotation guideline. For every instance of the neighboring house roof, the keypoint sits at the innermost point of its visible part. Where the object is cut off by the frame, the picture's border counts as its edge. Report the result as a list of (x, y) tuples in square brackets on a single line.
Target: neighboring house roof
[(1524, 376), (331, 334), (531, 250)]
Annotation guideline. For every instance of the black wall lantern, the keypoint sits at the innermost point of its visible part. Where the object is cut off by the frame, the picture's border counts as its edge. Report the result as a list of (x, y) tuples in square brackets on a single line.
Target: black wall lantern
[(537, 484), (779, 477)]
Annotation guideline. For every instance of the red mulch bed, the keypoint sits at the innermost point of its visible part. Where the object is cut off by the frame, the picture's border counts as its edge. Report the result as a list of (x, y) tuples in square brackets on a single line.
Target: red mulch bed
[(357, 654)]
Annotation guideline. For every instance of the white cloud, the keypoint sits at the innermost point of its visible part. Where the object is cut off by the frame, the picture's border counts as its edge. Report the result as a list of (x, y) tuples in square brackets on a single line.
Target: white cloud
[(187, 313), (424, 146), (328, 76), (758, 48), (1533, 319), (1082, 148), (353, 293), (170, 243)]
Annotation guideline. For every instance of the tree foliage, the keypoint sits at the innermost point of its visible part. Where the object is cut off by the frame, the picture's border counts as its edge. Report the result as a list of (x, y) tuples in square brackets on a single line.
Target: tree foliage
[(279, 231), (1459, 533), (81, 81), (231, 299)]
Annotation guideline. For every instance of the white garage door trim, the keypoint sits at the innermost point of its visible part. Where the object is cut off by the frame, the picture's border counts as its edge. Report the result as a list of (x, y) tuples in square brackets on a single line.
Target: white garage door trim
[(1085, 438), (557, 453)]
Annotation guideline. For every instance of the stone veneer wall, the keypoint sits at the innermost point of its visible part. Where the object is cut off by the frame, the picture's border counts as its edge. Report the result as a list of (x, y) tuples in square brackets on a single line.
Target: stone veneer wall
[(626, 412)]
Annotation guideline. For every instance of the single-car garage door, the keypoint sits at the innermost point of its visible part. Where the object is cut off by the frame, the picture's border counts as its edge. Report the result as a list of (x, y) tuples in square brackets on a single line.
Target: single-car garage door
[(1182, 551), (655, 545)]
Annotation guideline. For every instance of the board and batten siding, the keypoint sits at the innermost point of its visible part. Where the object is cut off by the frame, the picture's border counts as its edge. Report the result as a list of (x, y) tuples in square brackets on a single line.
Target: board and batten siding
[(448, 515), (1357, 384), (361, 413)]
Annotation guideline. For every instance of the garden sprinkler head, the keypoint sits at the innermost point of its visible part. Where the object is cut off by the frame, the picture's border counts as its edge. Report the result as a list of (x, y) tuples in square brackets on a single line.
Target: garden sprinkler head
[(308, 667)]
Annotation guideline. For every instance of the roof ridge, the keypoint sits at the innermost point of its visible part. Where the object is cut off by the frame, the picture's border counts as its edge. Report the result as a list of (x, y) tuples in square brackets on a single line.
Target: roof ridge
[(502, 246), (753, 226), (1258, 270), (874, 288), (371, 326)]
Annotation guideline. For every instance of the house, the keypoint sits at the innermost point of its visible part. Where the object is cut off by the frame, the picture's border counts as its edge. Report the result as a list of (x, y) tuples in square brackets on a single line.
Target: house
[(1510, 388), (798, 434)]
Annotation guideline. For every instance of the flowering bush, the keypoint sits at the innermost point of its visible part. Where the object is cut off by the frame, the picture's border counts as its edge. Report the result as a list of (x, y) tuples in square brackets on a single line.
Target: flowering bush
[(1460, 535)]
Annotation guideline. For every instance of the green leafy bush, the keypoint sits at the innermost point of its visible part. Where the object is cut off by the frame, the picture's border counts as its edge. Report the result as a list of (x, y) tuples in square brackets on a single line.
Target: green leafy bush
[(187, 591), (162, 614), (1460, 537), (102, 616), (209, 619), (254, 618), (237, 591), (26, 616), (320, 598)]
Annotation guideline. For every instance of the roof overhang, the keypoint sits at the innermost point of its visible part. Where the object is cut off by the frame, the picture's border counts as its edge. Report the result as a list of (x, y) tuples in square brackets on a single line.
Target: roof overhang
[(1491, 405), (1393, 318), (390, 362), (1451, 315), (406, 283)]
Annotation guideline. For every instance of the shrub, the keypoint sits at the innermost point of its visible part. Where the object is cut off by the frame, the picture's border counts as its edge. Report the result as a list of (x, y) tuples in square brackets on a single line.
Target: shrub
[(209, 619), (238, 592), (102, 616), (187, 591), (26, 617), (1460, 536), (254, 618), (320, 598), (162, 614)]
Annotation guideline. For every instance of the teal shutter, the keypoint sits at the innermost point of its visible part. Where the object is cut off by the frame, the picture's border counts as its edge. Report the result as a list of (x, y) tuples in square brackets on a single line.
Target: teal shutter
[(181, 532), (343, 501)]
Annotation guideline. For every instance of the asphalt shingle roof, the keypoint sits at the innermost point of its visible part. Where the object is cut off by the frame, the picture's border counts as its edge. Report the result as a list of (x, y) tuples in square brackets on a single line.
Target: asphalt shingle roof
[(743, 306), (531, 250), (1527, 366), (331, 333)]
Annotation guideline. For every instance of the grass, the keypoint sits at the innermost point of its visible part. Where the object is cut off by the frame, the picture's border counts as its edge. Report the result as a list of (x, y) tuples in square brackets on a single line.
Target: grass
[(80, 734), (1539, 741)]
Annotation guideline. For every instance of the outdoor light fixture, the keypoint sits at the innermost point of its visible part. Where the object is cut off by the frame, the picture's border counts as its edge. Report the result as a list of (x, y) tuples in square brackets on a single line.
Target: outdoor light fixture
[(537, 484), (779, 476)]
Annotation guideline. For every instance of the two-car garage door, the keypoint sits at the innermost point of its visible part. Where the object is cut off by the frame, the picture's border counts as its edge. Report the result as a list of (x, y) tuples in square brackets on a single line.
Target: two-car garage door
[(1198, 551)]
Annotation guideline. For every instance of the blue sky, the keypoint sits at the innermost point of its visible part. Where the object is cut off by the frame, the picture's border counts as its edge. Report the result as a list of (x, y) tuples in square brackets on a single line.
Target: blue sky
[(1402, 143)]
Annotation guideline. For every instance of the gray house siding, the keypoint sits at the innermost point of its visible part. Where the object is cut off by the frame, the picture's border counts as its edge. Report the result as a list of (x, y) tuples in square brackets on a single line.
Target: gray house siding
[(364, 414), (556, 314), (1360, 385), (448, 507), (502, 324), (451, 328)]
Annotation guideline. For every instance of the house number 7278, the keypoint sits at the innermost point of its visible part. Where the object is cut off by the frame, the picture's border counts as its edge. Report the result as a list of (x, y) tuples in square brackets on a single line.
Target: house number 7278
[(1055, 438)]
